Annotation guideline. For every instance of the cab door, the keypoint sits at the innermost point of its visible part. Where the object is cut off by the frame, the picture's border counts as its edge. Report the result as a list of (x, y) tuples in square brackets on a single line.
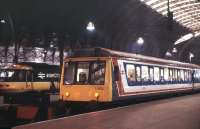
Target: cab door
[(29, 79)]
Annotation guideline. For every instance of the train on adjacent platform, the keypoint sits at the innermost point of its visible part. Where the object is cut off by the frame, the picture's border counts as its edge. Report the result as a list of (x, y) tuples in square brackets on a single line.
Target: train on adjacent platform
[(105, 75), (19, 80)]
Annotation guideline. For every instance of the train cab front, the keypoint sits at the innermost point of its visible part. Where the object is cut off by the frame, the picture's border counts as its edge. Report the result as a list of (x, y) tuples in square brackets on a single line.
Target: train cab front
[(86, 80)]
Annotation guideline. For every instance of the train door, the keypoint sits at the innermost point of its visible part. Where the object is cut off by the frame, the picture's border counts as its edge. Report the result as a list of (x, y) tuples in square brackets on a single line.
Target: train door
[(29, 79)]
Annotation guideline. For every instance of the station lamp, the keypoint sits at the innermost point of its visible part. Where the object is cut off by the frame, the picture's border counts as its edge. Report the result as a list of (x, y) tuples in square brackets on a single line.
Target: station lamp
[(3, 21), (185, 38), (168, 54), (174, 50), (140, 41), (90, 26), (191, 55)]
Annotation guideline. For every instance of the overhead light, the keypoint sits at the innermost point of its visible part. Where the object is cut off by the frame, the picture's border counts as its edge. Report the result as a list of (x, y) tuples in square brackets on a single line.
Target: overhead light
[(51, 45), (3, 21), (90, 26), (191, 55), (184, 38), (196, 34), (174, 50), (140, 41), (168, 54)]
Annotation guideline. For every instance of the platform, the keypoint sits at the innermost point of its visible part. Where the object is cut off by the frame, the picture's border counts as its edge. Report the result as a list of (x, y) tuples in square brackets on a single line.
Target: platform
[(172, 113)]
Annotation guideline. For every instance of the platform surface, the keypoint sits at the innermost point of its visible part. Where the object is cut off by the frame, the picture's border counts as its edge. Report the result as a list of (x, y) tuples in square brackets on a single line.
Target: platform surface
[(172, 113)]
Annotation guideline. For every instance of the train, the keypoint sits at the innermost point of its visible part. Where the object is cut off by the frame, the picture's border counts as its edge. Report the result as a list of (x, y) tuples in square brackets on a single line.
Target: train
[(25, 78), (105, 75)]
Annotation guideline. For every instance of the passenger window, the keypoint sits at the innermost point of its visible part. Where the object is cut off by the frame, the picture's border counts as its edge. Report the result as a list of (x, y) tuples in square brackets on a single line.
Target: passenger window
[(170, 75), (130, 72), (182, 75), (178, 75), (190, 75), (197, 75), (186, 75), (145, 73), (156, 74), (151, 74), (138, 73), (174, 74), (161, 74), (166, 74)]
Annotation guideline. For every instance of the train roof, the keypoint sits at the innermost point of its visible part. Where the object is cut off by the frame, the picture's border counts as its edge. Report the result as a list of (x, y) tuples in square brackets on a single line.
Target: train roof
[(104, 52), (34, 64), (29, 66), (16, 67)]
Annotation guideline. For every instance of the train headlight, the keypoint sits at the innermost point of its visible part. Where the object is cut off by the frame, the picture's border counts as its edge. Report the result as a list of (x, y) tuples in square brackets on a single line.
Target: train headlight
[(67, 94), (96, 95)]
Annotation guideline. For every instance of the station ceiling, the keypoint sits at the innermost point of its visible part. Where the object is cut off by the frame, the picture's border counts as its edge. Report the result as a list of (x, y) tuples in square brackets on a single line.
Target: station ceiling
[(185, 12), (119, 23)]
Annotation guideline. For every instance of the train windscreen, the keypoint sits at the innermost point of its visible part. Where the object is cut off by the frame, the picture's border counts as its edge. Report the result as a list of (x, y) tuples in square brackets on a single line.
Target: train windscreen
[(13, 75), (84, 73)]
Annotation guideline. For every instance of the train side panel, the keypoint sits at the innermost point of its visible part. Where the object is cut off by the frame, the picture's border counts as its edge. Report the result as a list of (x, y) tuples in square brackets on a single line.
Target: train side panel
[(122, 89)]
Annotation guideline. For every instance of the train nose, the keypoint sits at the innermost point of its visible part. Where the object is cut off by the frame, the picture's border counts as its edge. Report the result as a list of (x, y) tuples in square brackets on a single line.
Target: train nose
[(82, 95)]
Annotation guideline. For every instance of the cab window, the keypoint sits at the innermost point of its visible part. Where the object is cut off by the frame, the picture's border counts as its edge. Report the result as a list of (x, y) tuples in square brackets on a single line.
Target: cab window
[(85, 73)]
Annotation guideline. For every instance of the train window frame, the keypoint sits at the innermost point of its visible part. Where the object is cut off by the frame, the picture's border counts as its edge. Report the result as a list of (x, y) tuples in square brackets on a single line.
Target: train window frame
[(89, 83), (143, 78), (186, 78), (166, 74), (14, 77), (130, 82), (103, 75), (138, 78), (158, 75), (191, 78), (64, 72), (151, 76), (182, 77), (84, 74), (170, 75), (178, 75), (196, 75), (174, 72), (162, 75)]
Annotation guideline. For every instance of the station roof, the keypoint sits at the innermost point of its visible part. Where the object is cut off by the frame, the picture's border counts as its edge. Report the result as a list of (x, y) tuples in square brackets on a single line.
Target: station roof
[(118, 23), (185, 12)]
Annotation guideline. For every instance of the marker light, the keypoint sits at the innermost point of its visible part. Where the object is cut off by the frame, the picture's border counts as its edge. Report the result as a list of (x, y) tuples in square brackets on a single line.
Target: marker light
[(96, 95), (67, 94)]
